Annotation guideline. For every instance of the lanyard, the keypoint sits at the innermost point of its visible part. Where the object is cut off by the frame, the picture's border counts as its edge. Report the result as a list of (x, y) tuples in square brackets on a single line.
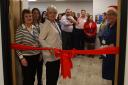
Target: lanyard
[(56, 26)]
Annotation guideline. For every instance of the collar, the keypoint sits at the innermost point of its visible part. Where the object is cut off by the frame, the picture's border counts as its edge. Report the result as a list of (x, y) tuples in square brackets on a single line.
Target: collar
[(24, 27)]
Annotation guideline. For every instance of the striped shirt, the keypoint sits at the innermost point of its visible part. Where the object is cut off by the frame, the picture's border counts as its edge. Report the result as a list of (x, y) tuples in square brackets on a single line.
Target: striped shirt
[(25, 37)]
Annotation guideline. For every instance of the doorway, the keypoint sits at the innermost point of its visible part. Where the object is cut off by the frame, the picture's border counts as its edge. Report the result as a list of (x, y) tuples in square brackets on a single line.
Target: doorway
[(9, 62)]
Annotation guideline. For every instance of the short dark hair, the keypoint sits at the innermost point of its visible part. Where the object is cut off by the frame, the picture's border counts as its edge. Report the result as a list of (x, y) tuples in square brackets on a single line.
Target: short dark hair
[(83, 10), (67, 10), (25, 11)]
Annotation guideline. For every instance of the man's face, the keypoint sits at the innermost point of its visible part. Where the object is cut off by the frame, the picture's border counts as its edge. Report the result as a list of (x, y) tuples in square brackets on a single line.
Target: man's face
[(68, 12), (83, 13)]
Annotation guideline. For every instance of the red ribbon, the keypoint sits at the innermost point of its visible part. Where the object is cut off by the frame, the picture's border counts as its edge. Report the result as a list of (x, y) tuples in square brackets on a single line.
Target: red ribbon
[(66, 55)]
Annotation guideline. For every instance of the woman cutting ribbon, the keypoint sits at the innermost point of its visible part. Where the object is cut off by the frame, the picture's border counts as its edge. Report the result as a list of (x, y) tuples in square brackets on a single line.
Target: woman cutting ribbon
[(109, 40)]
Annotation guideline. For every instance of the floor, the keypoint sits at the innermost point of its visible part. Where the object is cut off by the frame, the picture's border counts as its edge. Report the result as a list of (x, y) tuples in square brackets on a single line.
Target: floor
[(86, 71)]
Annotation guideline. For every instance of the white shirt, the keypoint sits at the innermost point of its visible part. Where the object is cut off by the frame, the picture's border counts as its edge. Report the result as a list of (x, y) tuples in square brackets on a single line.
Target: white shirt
[(66, 25)]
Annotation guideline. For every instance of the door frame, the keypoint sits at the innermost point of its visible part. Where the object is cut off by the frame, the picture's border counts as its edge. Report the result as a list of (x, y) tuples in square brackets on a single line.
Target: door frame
[(122, 42), (6, 50)]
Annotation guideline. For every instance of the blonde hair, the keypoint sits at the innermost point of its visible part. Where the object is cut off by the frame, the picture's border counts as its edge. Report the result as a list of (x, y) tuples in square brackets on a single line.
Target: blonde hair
[(52, 8)]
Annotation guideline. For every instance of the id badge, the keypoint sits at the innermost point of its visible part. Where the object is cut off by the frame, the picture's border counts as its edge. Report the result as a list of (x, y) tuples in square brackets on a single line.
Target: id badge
[(103, 42)]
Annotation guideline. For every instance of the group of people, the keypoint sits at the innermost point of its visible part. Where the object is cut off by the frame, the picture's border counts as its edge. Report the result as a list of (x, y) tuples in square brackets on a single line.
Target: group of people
[(77, 30), (64, 32)]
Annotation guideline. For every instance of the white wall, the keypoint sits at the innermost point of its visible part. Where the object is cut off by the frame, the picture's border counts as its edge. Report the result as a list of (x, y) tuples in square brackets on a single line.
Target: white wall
[(61, 6), (1, 60), (25, 4), (100, 6), (126, 65)]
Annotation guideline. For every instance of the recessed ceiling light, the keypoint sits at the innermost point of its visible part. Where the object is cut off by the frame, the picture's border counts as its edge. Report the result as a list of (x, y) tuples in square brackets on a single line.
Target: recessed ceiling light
[(32, 0), (60, 0)]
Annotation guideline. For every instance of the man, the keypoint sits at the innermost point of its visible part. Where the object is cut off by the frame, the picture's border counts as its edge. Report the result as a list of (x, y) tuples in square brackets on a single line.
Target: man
[(67, 22), (78, 32)]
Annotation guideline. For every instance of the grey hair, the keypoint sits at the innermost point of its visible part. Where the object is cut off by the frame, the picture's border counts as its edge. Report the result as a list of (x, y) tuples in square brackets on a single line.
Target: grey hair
[(52, 8)]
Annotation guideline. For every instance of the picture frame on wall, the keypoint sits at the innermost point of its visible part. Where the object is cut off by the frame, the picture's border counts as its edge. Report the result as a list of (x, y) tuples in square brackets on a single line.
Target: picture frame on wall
[(98, 18)]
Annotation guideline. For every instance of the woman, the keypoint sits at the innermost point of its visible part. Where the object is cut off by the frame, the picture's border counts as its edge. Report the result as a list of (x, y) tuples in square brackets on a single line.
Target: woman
[(102, 26), (90, 29), (108, 40), (101, 30), (50, 36), (43, 17), (37, 22), (36, 18), (27, 34)]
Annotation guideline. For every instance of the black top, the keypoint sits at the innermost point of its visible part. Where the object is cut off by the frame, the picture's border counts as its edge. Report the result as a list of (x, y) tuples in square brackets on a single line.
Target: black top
[(109, 34)]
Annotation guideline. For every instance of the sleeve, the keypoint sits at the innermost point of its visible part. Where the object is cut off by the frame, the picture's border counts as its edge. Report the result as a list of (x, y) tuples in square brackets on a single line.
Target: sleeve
[(64, 21), (18, 38), (43, 35)]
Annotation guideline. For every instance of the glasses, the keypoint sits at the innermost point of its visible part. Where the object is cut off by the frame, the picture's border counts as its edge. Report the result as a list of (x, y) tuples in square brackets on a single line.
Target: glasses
[(111, 14)]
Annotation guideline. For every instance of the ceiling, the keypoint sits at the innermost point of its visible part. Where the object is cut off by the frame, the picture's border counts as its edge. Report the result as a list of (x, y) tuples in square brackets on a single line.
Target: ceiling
[(59, 0)]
